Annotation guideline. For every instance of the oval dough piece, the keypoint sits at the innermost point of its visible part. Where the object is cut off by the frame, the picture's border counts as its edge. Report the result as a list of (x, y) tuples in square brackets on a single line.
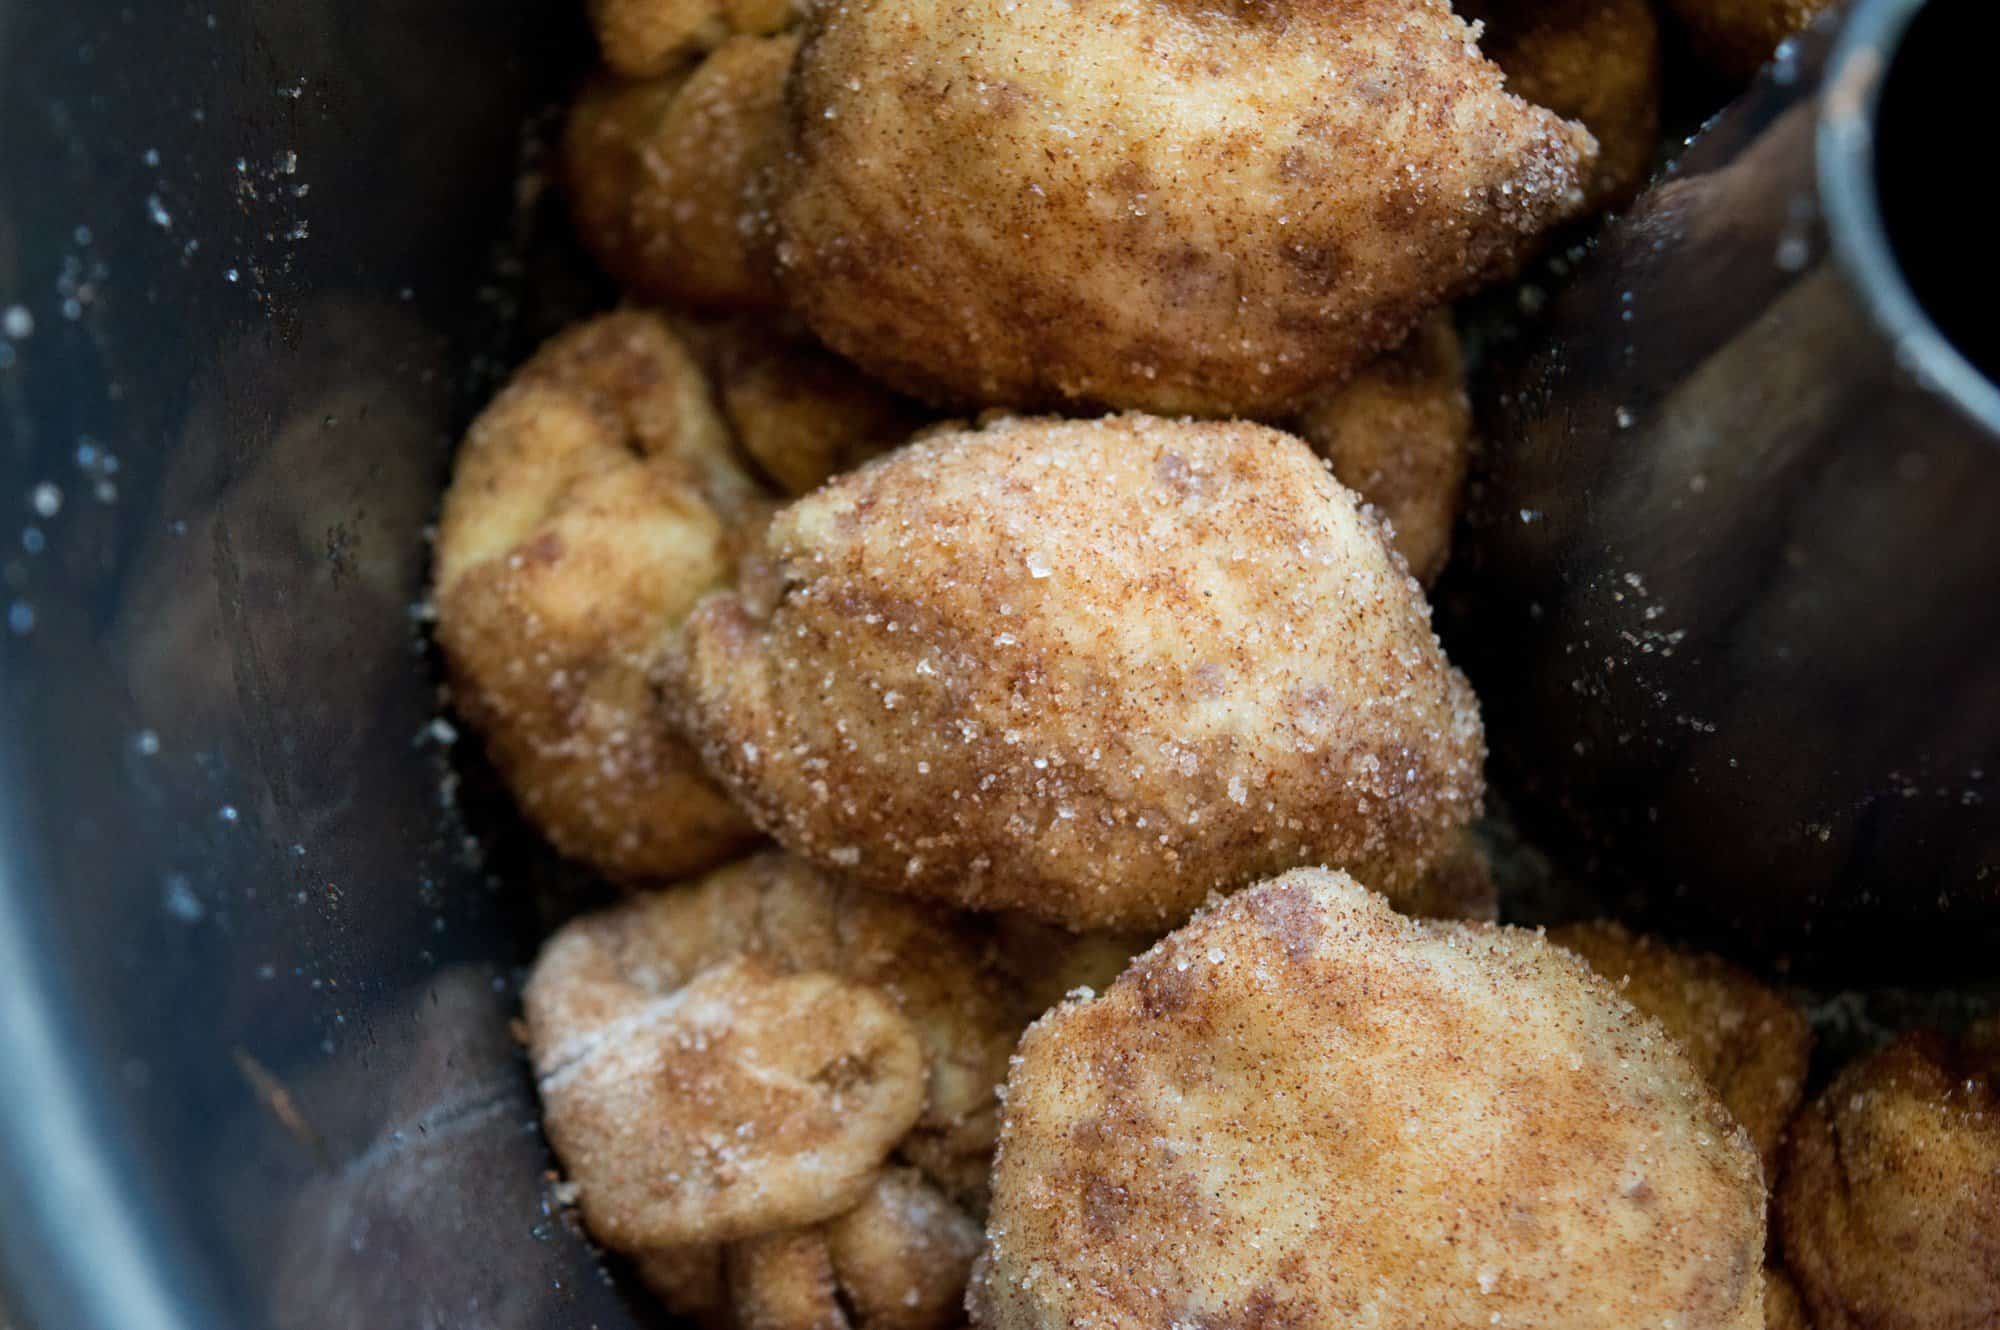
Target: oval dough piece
[(1890, 1202), (743, 1102), (647, 38), (1399, 434), (1594, 61), (903, 1255), (1092, 671), (779, 912), (590, 506), (801, 413), (1304, 1109), (670, 179), (1182, 208)]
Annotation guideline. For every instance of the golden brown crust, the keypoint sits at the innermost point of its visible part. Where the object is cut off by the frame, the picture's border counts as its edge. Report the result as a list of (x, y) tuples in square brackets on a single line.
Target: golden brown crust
[(1750, 1044), (1399, 434), (1595, 61), (903, 1255), (774, 909), (784, 1281), (1092, 671), (801, 413), (1303, 1109), (1890, 1203), (741, 1102), (1205, 209), (670, 179), (1735, 37), (897, 1261), (647, 38), (591, 505)]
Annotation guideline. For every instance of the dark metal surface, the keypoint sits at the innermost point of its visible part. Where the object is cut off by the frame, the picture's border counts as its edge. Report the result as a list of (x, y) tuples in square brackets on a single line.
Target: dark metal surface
[(254, 1068), (1728, 583)]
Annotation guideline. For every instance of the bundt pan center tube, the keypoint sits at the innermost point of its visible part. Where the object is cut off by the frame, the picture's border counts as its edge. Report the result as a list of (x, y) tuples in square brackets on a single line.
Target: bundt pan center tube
[(1726, 588)]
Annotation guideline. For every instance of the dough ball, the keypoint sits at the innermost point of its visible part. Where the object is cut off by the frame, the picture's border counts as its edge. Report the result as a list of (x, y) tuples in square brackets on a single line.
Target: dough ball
[(1399, 434), (1305, 1109), (1208, 209), (1890, 1203), (648, 38), (801, 413), (590, 506), (1092, 671), (1595, 61), (670, 179)]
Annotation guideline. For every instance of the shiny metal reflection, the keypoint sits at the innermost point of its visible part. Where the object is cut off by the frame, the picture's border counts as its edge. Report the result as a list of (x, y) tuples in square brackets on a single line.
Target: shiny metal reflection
[(1727, 584)]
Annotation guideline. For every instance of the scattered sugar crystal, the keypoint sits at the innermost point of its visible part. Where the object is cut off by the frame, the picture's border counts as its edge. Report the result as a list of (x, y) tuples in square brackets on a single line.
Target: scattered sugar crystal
[(181, 902)]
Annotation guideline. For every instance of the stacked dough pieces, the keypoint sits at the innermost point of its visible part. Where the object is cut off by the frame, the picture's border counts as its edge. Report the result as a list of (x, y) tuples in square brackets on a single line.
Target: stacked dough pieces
[(1016, 696)]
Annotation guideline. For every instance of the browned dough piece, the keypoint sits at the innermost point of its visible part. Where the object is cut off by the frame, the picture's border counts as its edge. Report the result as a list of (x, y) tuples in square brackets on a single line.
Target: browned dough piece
[(1092, 671), (1399, 434), (801, 413), (903, 1255), (1303, 1109), (648, 38), (1595, 61), (1209, 209), (670, 179), (1047, 963), (1890, 1203), (591, 505)]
